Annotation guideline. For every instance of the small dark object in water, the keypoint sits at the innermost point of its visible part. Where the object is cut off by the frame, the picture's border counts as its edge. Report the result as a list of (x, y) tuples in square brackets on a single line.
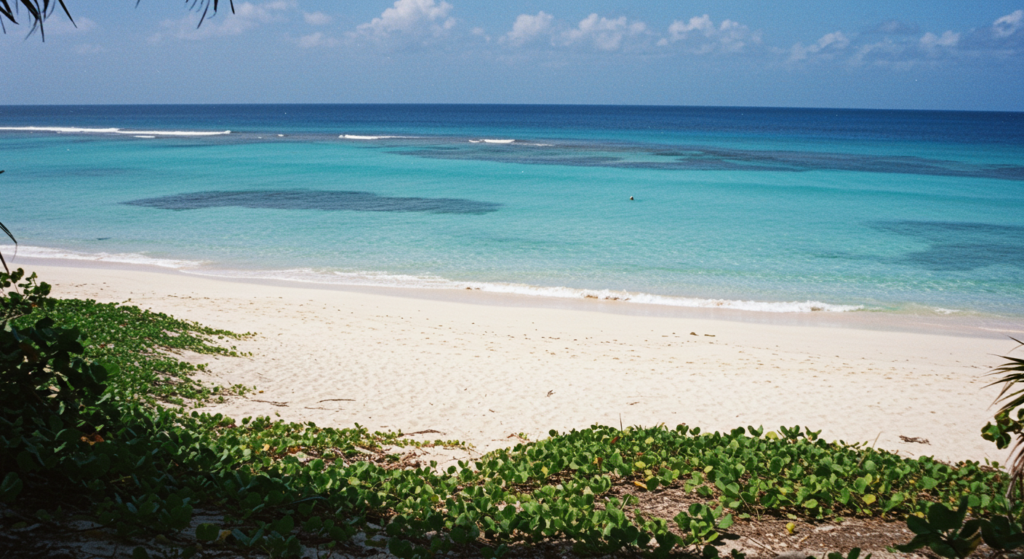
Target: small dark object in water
[(630, 197), (102, 238)]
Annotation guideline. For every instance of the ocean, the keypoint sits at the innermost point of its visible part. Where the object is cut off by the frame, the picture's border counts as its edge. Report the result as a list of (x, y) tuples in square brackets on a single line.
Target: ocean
[(898, 213)]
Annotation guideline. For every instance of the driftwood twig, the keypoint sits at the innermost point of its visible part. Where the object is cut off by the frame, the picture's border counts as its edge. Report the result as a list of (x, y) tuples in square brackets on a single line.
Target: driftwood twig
[(278, 404)]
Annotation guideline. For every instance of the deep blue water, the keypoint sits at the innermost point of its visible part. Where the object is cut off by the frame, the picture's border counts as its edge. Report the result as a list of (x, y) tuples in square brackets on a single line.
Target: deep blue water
[(762, 209)]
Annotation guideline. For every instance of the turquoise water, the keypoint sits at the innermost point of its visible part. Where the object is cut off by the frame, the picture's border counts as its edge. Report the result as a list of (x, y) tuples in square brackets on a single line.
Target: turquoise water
[(759, 209)]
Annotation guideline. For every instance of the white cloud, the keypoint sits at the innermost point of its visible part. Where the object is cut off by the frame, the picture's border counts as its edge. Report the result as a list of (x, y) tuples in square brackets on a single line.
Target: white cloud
[(881, 52), (931, 41), (700, 35), (826, 46), (606, 34), (480, 32), (410, 17), (1008, 24), (316, 18), (527, 27), (247, 16), (314, 40), (679, 29)]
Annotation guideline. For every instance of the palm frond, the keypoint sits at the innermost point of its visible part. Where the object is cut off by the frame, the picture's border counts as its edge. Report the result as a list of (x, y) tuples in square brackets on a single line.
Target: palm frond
[(7, 232), (1011, 396), (40, 10)]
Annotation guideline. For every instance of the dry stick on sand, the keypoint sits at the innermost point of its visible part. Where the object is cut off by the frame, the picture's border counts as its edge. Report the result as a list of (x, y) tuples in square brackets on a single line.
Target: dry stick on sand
[(922, 440), (336, 400), (278, 404)]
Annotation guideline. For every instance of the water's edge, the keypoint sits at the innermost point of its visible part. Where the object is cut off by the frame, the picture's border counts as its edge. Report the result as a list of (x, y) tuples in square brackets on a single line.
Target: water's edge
[(969, 327)]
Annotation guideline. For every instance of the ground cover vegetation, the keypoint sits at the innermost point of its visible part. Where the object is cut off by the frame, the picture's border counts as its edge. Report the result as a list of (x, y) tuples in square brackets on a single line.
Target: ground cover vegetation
[(100, 426)]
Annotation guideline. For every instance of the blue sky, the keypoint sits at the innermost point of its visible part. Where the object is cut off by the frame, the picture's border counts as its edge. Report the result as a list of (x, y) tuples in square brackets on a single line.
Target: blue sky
[(869, 54)]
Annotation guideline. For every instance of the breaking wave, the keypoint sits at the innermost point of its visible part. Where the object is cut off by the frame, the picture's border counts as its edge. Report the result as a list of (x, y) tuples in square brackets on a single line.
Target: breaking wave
[(383, 279), (137, 133), (114, 258), (387, 280), (360, 137)]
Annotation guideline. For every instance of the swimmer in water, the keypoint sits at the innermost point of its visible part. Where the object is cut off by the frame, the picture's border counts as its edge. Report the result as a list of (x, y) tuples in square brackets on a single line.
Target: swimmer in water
[(630, 197)]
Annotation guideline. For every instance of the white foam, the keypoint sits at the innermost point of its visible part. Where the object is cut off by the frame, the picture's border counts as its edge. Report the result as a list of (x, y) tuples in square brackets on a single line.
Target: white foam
[(119, 258), (358, 137), (666, 300), (74, 130), (184, 133), (383, 279), (146, 137), (60, 129), (491, 141)]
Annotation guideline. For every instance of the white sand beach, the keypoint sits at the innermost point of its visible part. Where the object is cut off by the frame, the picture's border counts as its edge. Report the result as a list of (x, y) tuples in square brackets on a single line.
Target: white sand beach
[(481, 372)]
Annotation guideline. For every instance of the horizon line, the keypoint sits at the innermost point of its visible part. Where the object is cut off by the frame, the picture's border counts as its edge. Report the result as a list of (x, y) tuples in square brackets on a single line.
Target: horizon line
[(412, 104)]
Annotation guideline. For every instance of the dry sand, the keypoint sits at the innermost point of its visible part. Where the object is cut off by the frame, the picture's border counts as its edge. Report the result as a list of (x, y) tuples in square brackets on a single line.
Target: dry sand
[(484, 372)]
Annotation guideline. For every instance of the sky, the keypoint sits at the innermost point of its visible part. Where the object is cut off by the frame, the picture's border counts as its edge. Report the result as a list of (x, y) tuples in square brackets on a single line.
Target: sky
[(893, 54)]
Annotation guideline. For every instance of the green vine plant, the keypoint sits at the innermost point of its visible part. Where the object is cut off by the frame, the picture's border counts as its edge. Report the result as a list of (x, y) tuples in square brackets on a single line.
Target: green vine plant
[(99, 415), (946, 531)]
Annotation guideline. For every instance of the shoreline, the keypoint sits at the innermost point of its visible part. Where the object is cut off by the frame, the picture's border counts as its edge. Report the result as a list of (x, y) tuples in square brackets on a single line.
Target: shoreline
[(483, 373), (971, 326)]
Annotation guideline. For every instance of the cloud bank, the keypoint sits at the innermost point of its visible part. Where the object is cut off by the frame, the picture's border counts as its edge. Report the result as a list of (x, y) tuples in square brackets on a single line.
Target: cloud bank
[(700, 35), (409, 20)]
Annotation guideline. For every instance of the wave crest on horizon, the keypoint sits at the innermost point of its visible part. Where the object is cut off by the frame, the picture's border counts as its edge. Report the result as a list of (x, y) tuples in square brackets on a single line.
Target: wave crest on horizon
[(76, 130)]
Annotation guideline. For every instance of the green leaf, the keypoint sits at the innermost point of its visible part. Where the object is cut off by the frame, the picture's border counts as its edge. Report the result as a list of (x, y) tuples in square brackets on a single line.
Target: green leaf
[(709, 552), (944, 550), (942, 519), (918, 525), (284, 526), (207, 532), (10, 488), (810, 504), (26, 462)]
